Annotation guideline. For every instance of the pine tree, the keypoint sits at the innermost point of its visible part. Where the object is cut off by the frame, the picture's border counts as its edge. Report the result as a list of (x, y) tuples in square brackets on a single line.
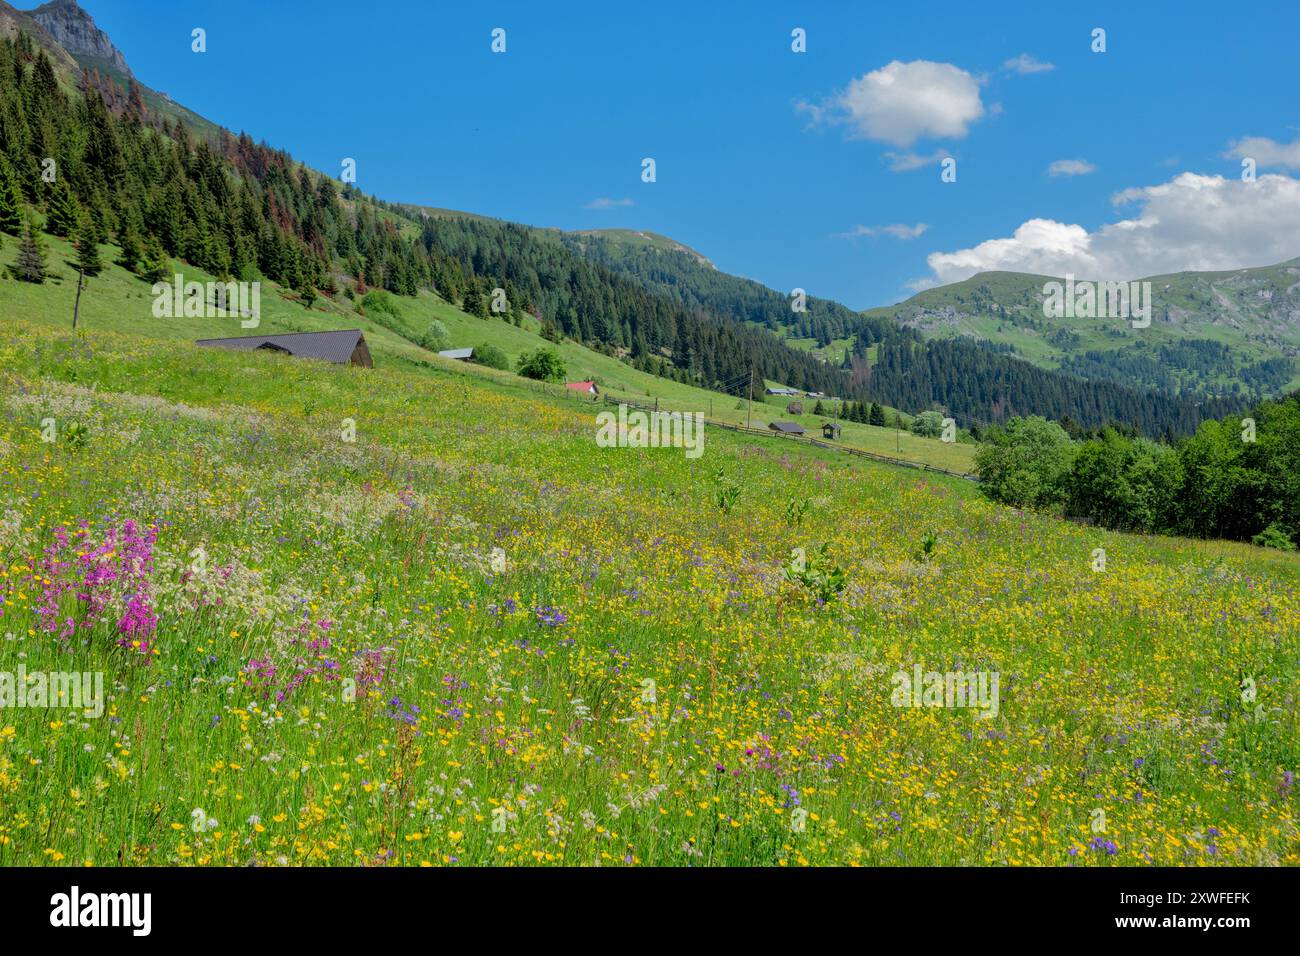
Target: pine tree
[(153, 267), (473, 302), (88, 259), (62, 212), (30, 265), (11, 201), (132, 250), (877, 414)]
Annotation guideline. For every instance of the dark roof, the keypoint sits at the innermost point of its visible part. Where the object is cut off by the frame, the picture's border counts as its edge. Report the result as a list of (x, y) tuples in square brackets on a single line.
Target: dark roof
[(332, 346), (790, 428)]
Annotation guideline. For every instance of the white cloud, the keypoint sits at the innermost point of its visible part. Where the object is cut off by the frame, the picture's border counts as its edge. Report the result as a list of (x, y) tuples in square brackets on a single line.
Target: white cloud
[(1025, 64), (1071, 167), (897, 230), (1266, 152), (905, 162), (604, 203), (1192, 222), (903, 102)]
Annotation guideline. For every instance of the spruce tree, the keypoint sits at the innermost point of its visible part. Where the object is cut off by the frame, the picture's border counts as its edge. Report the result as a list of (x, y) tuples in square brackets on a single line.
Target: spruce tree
[(62, 212), (154, 266), (88, 259), (30, 265), (11, 201), (132, 249)]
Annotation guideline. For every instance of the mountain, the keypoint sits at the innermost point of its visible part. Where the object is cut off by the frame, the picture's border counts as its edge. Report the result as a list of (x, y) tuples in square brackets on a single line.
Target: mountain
[(647, 240), (13, 22), (235, 208), (1234, 333), (74, 29), (84, 56)]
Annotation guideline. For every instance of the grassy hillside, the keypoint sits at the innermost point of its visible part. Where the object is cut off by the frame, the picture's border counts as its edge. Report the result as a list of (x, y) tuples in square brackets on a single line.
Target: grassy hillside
[(119, 301), (1254, 312), (312, 653)]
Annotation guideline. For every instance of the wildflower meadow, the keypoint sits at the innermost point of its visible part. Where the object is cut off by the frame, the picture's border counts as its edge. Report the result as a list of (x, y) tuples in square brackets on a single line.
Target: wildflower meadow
[(401, 617)]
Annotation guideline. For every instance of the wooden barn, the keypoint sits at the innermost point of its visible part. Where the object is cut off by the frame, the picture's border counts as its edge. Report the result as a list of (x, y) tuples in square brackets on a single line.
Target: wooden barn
[(794, 408), (344, 347), (786, 428), (831, 430)]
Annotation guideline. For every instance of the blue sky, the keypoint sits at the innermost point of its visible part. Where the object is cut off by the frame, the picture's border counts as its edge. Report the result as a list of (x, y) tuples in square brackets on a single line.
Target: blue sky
[(789, 194)]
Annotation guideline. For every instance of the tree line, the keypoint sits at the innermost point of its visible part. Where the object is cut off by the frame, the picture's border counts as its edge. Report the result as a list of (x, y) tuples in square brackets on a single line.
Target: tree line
[(1237, 477)]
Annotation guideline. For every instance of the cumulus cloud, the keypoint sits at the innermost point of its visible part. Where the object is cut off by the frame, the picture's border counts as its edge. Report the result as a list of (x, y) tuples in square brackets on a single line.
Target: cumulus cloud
[(1266, 152), (903, 102), (604, 203), (1192, 222), (1071, 167), (1025, 64), (896, 230)]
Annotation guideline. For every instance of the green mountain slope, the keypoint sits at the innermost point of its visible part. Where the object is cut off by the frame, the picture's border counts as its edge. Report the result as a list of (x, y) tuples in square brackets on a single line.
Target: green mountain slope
[(119, 301), (1214, 332)]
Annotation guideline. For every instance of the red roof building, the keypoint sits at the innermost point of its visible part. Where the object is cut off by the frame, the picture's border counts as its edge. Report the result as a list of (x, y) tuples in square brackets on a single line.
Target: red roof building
[(587, 388)]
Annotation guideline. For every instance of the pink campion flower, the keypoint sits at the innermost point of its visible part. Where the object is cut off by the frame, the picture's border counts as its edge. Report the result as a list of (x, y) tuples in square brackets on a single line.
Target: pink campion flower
[(115, 569), (138, 623)]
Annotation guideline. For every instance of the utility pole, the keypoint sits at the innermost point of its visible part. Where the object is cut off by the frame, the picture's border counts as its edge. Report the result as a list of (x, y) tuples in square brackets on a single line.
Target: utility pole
[(750, 410), (77, 305)]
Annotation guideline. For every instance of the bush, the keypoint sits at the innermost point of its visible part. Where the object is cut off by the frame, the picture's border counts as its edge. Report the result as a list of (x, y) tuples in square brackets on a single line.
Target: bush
[(379, 301), (436, 338), (1026, 464), (545, 365), (1274, 536), (491, 356), (927, 425)]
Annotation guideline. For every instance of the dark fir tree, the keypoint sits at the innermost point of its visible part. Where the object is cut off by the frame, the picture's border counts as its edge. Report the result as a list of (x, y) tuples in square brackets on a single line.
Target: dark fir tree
[(87, 246), (30, 265), (62, 213), (154, 265), (11, 200)]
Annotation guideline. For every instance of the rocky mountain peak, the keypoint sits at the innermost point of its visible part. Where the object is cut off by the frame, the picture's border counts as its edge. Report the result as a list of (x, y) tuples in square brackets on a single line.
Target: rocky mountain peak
[(74, 29)]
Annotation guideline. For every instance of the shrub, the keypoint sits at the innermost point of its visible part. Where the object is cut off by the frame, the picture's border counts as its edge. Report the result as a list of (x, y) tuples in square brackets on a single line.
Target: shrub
[(928, 425), (436, 338), (491, 356), (545, 365), (379, 301), (1026, 463), (1274, 536)]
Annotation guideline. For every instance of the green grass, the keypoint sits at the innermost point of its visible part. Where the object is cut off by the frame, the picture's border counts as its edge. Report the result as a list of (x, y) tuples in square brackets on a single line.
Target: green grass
[(648, 680), (118, 301)]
